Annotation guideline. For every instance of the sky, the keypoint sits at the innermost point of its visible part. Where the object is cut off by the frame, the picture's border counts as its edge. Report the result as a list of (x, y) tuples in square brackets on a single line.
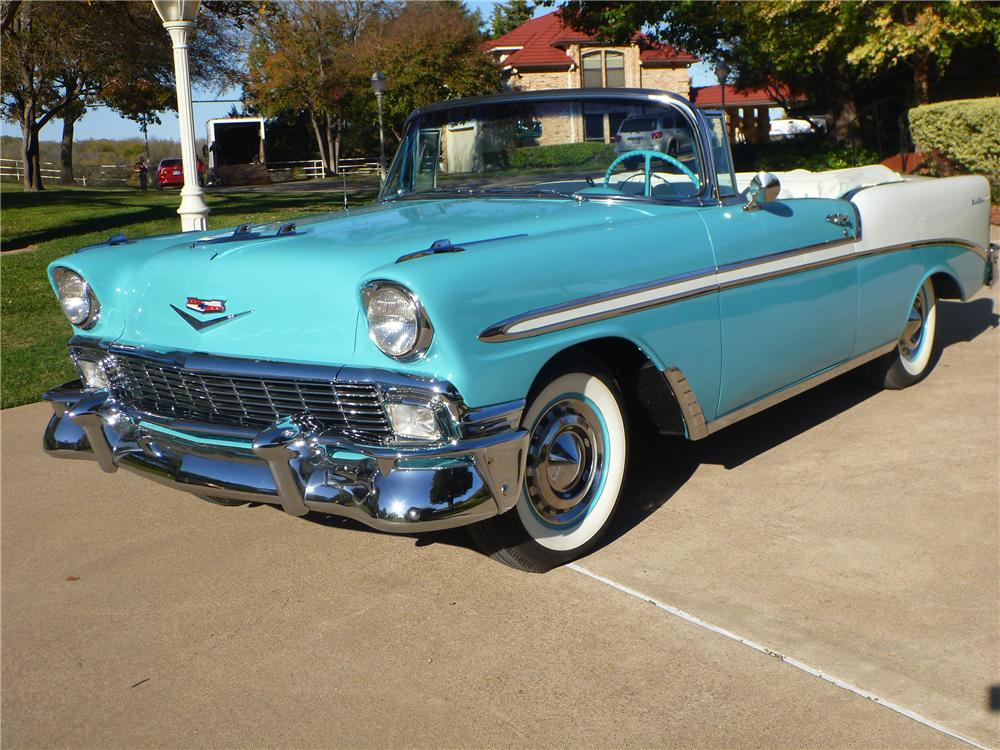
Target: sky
[(101, 122)]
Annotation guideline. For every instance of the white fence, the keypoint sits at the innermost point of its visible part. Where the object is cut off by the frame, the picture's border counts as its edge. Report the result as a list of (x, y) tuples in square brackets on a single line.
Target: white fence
[(312, 169), (99, 175)]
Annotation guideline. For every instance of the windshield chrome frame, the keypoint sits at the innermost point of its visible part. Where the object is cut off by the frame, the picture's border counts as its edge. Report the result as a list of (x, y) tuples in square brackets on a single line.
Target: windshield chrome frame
[(709, 195)]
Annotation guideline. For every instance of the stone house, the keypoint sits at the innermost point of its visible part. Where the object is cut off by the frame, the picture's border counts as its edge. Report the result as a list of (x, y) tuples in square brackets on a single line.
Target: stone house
[(545, 54)]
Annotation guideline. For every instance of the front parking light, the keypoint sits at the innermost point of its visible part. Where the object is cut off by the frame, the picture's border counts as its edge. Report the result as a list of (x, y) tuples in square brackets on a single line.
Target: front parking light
[(413, 421), (93, 374)]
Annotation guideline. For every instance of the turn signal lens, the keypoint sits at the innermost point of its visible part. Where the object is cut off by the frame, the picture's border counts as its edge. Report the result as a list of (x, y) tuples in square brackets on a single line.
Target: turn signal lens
[(657, 134), (409, 420), (93, 374)]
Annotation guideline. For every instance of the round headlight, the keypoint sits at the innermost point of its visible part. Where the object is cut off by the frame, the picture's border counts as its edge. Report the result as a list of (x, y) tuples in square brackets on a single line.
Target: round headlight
[(396, 321), (77, 299)]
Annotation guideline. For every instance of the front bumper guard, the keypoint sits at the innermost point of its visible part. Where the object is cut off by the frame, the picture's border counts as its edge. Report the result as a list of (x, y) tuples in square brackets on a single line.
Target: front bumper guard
[(295, 464)]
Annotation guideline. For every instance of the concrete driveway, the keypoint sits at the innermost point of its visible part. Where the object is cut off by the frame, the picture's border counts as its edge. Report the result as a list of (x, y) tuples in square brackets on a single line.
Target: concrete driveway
[(769, 586)]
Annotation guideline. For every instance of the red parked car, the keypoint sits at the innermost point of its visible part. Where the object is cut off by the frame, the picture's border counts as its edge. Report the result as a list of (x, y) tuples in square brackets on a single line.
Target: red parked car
[(170, 172)]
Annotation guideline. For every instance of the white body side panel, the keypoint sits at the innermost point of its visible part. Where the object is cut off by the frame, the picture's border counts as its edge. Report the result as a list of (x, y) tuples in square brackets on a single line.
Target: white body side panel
[(924, 209)]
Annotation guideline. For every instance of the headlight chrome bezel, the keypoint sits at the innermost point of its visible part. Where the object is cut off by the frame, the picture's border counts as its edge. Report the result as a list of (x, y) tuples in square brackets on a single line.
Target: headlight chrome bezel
[(425, 331), (62, 275)]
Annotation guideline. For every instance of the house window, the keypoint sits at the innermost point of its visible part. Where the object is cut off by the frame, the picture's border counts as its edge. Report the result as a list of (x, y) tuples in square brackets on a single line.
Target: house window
[(593, 127), (614, 70), (603, 69), (592, 75)]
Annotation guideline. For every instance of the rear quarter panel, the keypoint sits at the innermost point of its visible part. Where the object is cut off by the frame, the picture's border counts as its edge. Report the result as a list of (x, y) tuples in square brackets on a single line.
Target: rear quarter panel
[(932, 212)]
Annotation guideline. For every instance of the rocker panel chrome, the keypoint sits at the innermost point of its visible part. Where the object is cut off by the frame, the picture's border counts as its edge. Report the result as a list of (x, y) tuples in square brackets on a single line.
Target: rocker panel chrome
[(694, 418)]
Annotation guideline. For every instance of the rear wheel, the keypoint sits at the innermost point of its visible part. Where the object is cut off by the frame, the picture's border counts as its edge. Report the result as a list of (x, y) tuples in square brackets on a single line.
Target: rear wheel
[(577, 453), (916, 353)]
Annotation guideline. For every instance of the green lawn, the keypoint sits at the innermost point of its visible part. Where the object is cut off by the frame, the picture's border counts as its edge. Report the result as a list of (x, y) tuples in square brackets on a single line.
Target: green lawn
[(33, 331)]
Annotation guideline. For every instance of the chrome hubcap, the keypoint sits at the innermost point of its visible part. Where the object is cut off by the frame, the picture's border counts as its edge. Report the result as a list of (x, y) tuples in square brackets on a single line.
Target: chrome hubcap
[(566, 462), (913, 333)]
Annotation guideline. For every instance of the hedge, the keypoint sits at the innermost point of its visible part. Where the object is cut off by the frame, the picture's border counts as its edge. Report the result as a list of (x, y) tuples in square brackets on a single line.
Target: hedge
[(561, 155), (813, 152), (966, 132)]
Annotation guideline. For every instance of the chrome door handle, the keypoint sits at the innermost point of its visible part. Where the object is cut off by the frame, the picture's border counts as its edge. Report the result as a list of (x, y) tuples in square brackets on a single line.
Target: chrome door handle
[(841, 220)]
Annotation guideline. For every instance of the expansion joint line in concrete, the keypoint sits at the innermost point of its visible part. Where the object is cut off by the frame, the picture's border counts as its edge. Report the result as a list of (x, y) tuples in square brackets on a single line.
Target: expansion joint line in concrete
[(790, 661)]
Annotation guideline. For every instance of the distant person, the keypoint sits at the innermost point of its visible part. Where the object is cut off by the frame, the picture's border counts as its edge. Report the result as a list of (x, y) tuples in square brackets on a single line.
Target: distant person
[(143, 172)]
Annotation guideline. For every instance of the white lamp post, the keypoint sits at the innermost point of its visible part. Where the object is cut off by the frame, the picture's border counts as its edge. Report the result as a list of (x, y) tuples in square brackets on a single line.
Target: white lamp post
[(178, 19)]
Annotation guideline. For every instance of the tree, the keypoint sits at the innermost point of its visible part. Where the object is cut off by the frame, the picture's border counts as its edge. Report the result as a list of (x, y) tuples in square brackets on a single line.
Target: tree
[(830, 51), (922, 36), (60, 58), (428, 52), (317, 58), (508, 16), (28, 70), (305, 60)]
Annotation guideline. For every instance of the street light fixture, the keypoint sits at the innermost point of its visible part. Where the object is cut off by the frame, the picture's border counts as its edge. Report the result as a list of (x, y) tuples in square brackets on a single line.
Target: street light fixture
[(722, 73), (378, 88), (178, 19)]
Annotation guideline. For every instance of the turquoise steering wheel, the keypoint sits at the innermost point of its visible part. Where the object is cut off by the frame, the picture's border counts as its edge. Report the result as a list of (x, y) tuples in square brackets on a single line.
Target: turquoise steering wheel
[(649, 155)]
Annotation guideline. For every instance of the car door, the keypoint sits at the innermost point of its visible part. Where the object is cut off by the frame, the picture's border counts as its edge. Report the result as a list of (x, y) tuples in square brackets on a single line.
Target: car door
[(788, 293)]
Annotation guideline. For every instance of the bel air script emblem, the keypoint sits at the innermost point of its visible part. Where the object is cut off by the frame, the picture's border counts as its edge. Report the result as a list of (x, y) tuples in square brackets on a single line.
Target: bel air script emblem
[(206, 307)]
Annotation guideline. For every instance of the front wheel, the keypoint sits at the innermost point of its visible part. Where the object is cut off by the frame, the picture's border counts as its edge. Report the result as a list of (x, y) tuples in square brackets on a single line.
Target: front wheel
[(577, 451), (915, 354)]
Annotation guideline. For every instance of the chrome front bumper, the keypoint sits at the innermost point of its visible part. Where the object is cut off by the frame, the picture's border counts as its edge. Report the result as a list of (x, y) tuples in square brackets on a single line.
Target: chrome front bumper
[(992, 259), (295, 464)]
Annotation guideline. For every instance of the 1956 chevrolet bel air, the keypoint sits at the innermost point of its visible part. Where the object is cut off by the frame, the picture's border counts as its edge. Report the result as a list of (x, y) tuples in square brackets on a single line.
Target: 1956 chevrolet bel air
[(477, 347)]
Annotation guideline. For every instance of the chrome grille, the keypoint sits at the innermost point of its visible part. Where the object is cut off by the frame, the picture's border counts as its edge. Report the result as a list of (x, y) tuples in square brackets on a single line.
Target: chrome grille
[(173, 392)]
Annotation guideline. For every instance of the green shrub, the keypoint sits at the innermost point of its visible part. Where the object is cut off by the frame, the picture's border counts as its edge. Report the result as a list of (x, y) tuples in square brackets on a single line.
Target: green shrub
[(812, 152), (965, 132), (561, 155)]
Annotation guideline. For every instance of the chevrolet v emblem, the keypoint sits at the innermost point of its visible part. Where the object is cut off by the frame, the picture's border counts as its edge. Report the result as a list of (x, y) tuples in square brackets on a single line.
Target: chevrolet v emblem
[(200, 325)]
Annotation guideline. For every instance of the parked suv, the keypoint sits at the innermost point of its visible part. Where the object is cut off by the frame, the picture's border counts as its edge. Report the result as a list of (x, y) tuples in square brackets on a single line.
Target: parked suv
[(668, 133), (170, 172)]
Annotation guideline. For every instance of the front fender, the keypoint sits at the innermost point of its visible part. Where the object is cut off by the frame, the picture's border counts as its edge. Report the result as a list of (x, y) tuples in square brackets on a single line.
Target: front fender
[(465, 293)]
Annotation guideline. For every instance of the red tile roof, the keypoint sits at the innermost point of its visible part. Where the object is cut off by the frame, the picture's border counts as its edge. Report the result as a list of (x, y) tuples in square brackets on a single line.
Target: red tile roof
[(658, 53), (711, 96), (540, 42)]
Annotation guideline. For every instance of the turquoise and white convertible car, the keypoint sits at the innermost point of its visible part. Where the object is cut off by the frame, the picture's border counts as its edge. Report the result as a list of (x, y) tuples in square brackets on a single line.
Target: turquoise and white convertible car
[(483, 344)]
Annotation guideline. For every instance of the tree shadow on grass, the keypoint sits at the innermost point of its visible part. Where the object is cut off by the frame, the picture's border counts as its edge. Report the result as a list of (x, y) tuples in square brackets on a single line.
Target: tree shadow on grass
[(127, 208), (109, 223)]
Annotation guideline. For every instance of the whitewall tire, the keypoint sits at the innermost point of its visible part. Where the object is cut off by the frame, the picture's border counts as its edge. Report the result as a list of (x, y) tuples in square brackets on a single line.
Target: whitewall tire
[(916, 352), (577, 456)]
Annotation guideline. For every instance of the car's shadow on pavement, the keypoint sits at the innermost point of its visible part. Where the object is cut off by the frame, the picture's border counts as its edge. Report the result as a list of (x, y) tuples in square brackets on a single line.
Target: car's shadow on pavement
[(660, 465)]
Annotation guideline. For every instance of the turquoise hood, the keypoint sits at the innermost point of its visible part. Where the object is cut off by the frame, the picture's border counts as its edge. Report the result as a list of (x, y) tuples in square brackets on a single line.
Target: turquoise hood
[(301, 293)]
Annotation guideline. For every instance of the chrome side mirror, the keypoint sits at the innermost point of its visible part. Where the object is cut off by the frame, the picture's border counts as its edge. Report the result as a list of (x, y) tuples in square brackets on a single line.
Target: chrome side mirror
[(764, 188)]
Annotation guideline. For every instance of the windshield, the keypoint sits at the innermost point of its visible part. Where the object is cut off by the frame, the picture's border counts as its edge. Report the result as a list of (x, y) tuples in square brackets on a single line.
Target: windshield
[(562, 148)]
